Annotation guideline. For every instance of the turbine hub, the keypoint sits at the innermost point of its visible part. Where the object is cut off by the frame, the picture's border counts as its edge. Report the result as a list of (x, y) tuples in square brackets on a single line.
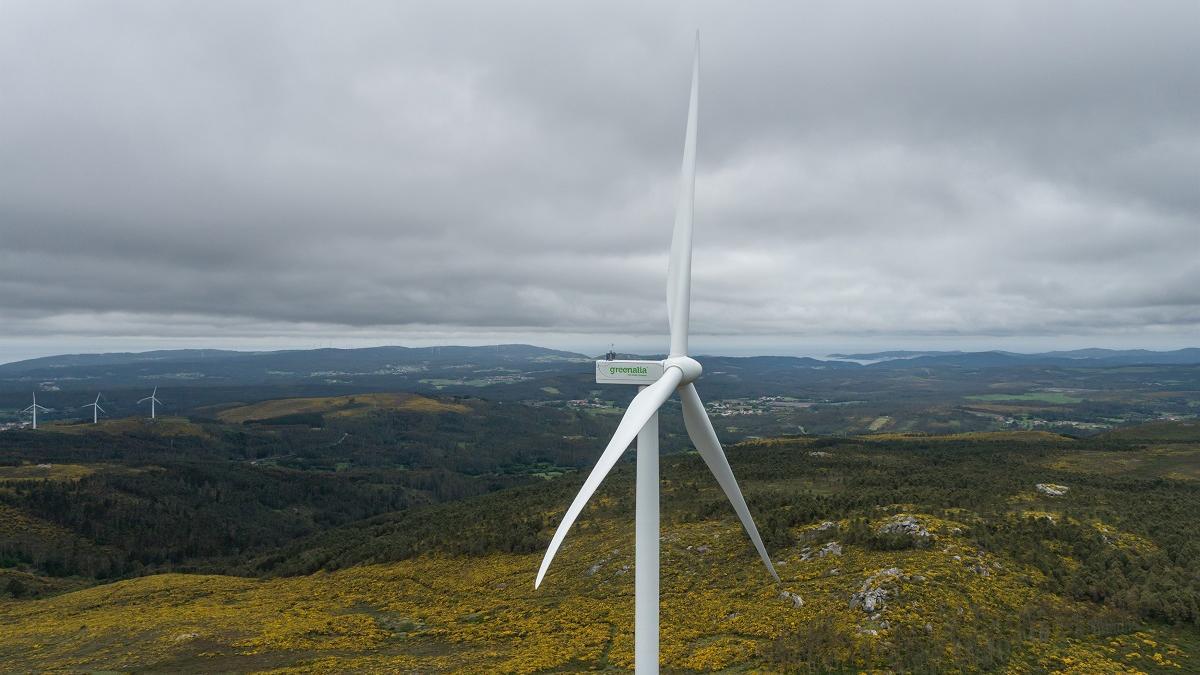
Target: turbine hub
[(690, 367)]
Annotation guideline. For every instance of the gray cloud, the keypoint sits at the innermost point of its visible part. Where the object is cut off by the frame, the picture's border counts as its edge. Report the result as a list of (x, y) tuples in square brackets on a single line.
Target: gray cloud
[(225, 170)]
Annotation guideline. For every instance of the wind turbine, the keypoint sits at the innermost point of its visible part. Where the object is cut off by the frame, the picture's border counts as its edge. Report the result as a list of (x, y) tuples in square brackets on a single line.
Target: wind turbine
[(34, 409), (153, 398), (659, 379), (96, 409)]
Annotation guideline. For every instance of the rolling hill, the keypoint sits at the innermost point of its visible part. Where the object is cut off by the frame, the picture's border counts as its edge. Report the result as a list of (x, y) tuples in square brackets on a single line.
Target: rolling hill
[(341, 406), (903, 552)]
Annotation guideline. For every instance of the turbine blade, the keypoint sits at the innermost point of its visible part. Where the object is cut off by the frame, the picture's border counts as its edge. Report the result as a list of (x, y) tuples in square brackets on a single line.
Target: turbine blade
[(643, 406), (679, 270), (100, 409), (143, 400), (701, 431)]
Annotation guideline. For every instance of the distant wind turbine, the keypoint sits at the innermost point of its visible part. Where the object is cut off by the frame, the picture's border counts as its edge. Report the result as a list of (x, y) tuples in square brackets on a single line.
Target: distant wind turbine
[(96, 409), (659, 379), (153, 398), (34, 409)]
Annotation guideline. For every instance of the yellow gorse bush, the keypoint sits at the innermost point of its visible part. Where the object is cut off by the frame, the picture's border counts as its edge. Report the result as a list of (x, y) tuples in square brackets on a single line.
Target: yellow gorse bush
[(481, 614)]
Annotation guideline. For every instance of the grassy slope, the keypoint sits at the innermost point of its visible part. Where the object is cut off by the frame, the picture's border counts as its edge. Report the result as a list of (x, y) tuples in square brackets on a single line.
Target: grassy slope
[(163, 426), (51, 472), (482, 615), (338, 405), (952, 603)]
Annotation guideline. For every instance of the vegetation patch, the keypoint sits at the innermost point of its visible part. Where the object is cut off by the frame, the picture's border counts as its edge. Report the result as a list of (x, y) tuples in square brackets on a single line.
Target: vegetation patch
[(1177, 462), (45, 471), (897, 552), (1055, 397), (951, 606), (162, 426), (358, 404)]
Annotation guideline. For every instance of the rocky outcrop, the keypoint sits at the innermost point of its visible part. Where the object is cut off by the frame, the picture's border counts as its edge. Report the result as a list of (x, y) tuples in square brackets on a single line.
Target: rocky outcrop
[(876, 590), (793, 598), (1052, 490), (904, 524), (830, 548)]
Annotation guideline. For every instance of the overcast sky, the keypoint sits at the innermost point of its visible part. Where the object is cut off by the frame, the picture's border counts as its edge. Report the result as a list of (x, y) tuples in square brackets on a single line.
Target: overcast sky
[(258, 174)]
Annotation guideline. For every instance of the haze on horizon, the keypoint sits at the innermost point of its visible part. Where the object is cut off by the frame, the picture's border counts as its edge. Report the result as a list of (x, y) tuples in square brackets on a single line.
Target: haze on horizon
[(871, 175)]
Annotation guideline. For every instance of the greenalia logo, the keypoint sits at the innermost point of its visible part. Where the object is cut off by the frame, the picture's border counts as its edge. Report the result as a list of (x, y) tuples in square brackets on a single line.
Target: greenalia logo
[(627, 370)]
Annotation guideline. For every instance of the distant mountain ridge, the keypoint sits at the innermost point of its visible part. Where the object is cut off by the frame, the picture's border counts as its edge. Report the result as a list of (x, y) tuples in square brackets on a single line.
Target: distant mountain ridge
[(372, 368), (362, 356), (1092, 356), (370, 359), (462, 369)]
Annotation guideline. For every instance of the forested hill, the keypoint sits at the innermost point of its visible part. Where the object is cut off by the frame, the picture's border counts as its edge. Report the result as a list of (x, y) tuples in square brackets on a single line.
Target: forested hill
[(1086, 358), (253, 367), (992, 552)]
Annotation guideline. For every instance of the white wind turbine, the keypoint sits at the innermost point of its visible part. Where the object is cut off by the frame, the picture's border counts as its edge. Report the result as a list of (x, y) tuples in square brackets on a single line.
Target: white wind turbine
[(659, 379), (34, 409), (153, 398), (96, 409)]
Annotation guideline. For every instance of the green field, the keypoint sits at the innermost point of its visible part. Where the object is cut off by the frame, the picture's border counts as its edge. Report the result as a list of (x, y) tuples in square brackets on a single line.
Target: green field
[(1054, 397)]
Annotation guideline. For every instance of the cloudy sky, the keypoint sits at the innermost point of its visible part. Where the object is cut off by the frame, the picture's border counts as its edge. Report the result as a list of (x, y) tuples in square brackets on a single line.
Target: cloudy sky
[(293, 174)]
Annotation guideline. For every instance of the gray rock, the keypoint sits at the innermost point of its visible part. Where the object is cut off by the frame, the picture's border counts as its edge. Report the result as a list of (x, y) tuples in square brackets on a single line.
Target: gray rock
[(599, 564), (876, 589), (832, 548), (795, 599), (904, 524), (1052, 490)]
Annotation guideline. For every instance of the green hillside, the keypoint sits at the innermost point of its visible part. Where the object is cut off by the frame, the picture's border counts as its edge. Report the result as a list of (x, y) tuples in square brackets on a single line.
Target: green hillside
[(948, 606), (359, 404), (904, 552)]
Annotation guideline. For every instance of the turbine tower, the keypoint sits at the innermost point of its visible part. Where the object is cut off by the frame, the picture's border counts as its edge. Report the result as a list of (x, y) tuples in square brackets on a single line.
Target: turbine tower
[(153, 398), (658, 379), (34, 409), (96, 409)]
